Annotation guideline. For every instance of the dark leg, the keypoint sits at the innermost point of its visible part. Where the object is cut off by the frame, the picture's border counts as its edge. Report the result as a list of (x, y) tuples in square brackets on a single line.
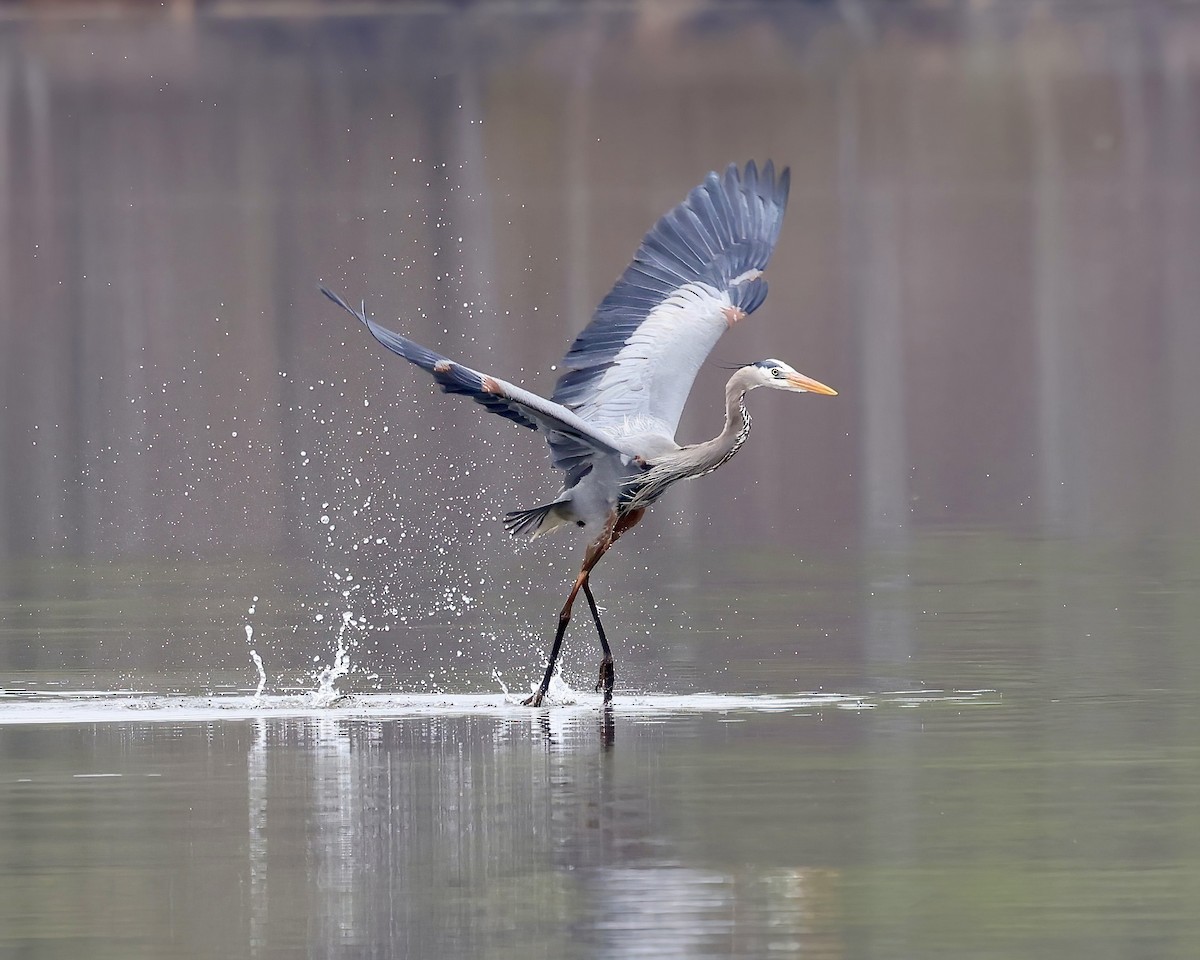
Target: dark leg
[(564, 617), (608, 677), (611, 534), (591, 558), (607, 674)]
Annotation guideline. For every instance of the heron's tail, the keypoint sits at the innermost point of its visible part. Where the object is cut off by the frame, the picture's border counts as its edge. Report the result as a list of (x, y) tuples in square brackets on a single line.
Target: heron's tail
[(533, 522)]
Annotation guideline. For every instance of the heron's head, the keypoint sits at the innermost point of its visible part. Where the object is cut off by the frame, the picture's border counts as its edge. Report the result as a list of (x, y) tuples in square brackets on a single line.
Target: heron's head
[(777, 374)]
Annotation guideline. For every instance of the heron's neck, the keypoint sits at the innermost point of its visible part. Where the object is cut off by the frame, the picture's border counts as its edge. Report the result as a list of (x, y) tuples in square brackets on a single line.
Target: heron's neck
[(729, 441)]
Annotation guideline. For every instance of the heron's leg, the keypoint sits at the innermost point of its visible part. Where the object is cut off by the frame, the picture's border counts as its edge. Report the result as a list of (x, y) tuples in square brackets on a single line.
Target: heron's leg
[(607, 674), (564, 617), (591, 558)]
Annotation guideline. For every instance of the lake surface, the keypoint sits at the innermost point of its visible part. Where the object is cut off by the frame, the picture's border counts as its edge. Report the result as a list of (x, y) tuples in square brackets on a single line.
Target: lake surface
[(916, 675), (900, 824)]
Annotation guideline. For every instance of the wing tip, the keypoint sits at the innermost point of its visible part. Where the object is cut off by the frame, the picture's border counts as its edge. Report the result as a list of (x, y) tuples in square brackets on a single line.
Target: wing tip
[(767, 184), (360, 314), (335, 297)]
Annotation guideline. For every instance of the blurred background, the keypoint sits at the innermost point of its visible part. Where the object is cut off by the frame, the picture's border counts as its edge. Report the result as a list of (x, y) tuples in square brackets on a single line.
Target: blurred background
[(990, 250), (984, 553)]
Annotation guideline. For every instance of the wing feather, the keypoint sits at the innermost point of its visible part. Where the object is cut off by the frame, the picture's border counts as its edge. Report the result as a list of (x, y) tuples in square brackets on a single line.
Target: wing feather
[(576, 438), (632, 367)]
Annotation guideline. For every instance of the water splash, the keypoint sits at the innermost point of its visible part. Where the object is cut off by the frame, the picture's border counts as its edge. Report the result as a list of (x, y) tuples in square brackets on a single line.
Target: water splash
[(327, 692), (41, 707), (559, 693), (258, 664), (262, 674)]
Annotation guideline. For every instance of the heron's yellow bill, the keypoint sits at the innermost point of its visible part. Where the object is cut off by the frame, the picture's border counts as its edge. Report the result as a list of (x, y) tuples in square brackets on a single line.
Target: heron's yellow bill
[(801, 382)]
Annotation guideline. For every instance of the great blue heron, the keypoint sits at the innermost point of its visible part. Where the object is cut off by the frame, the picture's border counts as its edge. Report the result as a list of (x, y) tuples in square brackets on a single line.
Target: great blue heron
[(612, 418)]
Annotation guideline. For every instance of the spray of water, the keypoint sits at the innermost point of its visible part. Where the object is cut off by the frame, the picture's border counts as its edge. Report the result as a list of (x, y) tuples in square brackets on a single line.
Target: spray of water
[(258, 664), (401, 528), (327, 692), (560, 692)]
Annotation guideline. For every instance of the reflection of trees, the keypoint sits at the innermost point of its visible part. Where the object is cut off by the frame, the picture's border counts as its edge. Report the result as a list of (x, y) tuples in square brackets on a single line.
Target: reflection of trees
[(445, 836), (993, 220), (964, 160), (477, 837)]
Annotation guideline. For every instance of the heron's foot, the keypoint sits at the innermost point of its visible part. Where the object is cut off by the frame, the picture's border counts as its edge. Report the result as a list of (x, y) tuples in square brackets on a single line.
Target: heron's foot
[(535, 700), (608, 678)]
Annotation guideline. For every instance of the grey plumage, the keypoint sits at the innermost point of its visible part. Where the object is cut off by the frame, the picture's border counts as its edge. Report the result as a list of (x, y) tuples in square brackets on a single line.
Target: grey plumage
[(611, 420), (633, 374), (726, 228)]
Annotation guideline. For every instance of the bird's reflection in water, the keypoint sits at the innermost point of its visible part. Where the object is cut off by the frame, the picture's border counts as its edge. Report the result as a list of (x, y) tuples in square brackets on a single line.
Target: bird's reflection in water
[(608, 727), (564, 732)]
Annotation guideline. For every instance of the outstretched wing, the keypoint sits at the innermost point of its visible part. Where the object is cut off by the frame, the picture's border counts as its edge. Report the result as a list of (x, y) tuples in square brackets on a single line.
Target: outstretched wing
[(696, 273), (563, 428)]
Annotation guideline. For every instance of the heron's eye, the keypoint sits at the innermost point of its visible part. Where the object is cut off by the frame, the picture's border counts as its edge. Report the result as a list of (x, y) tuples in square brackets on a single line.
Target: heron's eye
[(777, 371)]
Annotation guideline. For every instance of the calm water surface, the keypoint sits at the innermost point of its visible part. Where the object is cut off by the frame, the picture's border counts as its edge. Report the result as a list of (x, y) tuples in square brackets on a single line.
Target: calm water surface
[(905, 826), (981, 794), (917, 675)]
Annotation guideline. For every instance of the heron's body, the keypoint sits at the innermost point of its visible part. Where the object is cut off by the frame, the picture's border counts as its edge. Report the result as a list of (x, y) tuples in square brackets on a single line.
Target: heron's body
[(611, 420)]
